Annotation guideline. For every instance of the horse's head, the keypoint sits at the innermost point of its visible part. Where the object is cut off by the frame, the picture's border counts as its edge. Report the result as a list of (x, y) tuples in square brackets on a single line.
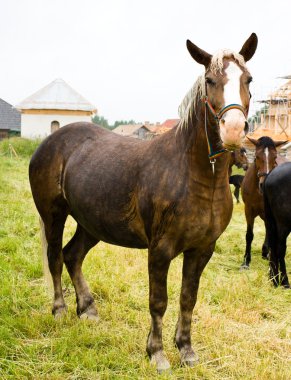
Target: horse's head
[(240, 159), (265, 156), (227, 91)]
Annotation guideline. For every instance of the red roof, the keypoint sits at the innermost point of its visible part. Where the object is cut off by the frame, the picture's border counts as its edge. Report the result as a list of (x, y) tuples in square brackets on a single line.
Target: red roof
[(166, 126), (170, 123)]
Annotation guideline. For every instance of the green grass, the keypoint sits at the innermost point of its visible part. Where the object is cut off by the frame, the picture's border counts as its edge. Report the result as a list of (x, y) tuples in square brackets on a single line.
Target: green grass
[(18, 146), (241, 324)]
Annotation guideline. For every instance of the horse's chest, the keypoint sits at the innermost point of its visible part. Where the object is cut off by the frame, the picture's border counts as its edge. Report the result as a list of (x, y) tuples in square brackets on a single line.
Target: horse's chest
[(209, 223), (202, 218)]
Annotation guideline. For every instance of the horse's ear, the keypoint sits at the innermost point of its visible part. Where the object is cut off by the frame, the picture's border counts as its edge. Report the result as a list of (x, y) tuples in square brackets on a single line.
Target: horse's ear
[(198, 54), (249, 47), (253, 141), (279, 143)]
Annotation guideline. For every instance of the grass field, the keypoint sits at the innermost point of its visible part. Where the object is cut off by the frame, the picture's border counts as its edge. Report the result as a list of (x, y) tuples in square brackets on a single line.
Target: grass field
[(241, 324)]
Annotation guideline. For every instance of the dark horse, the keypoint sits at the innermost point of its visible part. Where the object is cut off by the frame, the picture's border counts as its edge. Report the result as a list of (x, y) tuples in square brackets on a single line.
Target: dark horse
[(265, 160), (236, 180), (240, 160), (170, 194), (278, 220)]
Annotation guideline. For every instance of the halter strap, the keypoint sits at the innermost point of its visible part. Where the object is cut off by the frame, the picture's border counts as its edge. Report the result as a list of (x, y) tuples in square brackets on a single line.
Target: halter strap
[(231, 107), (217, 115), (212, 155)]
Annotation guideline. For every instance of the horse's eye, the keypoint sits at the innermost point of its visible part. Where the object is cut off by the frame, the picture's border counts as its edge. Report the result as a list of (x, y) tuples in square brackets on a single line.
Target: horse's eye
[(249, 80), (210, 81)]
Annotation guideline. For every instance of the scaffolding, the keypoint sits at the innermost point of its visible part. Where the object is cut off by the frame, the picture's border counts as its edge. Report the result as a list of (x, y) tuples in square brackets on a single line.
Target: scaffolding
[(274, 117)]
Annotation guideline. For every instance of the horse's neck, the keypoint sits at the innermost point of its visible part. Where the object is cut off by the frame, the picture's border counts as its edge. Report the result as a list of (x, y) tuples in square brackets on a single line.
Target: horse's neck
[(197, 154), (252, 174)]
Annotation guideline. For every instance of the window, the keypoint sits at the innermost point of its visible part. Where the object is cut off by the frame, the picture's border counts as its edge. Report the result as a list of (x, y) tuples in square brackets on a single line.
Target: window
[(55, 125)]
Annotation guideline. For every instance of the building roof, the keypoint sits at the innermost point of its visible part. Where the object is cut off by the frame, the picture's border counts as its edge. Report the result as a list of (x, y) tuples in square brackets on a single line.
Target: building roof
[(170, 123), (128, 129), (283, 91), (10, 118), (166, 126), (57, 95)]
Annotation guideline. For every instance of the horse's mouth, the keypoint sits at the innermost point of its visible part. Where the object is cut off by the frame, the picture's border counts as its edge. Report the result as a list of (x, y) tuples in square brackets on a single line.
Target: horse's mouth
[(230, 147)]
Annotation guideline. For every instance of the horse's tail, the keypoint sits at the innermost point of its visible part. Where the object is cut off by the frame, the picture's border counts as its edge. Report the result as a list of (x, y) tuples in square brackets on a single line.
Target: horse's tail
[(44, 245), (272, 235)]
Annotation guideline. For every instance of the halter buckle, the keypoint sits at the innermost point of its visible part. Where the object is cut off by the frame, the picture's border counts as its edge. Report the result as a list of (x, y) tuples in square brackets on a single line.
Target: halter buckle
[(212, 161)]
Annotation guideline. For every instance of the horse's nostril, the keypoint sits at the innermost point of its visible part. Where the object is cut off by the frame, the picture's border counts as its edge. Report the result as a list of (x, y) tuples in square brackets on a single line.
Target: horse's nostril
[(222, 121), (246, 128)]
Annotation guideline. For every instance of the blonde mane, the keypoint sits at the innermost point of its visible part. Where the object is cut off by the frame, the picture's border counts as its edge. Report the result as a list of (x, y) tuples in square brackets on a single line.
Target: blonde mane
[(187, 108)]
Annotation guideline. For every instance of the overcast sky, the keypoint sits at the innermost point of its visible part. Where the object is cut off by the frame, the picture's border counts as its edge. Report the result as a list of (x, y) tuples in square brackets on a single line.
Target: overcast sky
[(128, 57)]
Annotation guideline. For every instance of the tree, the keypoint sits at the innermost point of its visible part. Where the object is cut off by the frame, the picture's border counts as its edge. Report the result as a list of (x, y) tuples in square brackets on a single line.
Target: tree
[(257, 117), (122, 122), (100, 120)]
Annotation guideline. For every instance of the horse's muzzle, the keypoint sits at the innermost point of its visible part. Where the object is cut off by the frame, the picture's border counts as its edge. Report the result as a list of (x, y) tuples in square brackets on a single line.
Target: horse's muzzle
[(262, 176)]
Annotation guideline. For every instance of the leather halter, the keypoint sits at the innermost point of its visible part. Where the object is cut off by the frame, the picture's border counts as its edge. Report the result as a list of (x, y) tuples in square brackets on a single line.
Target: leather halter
[(218, 116), (262, 174)]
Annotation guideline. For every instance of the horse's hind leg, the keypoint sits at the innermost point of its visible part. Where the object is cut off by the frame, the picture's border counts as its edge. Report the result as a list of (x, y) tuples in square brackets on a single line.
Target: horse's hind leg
[(74, 253), (236, 193), (54, 227), (265, 247), (281, 251)]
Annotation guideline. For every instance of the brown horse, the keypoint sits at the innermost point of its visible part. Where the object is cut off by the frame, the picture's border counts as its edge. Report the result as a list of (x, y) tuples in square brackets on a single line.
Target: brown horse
[(239, 159), (170, 194), (266, 159)]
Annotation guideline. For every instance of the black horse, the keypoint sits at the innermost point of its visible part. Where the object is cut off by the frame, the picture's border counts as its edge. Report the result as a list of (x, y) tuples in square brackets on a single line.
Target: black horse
[(236, 181), (277, 199)]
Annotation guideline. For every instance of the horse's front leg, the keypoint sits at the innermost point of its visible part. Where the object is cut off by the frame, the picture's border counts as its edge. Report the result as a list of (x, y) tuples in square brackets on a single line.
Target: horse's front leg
[(193, 265), (158, 265), (249, 238)]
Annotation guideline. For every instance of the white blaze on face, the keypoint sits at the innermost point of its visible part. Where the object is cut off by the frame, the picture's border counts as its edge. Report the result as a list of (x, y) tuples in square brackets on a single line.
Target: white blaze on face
[(267, 159), (233, 121), (232, 87)]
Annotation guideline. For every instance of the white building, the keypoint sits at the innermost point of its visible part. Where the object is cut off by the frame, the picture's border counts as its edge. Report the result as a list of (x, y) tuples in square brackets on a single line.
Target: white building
[(51, 108)]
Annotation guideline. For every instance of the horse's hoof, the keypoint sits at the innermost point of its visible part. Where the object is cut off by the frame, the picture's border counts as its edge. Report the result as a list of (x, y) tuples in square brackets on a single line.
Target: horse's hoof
[(188, 358), (60, 312), (244, 267), (161, 362), (90, 315), (265, 257), (286, 286)]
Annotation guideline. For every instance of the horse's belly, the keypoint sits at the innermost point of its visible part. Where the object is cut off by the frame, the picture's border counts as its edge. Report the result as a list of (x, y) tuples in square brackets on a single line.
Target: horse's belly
[(110, 226)]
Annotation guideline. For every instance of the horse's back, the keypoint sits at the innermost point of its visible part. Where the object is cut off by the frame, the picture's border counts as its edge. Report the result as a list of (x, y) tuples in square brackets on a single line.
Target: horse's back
[(67, 140)]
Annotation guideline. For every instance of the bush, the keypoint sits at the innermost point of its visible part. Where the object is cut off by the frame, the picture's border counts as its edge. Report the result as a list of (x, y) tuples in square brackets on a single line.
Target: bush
[(23, 147)]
